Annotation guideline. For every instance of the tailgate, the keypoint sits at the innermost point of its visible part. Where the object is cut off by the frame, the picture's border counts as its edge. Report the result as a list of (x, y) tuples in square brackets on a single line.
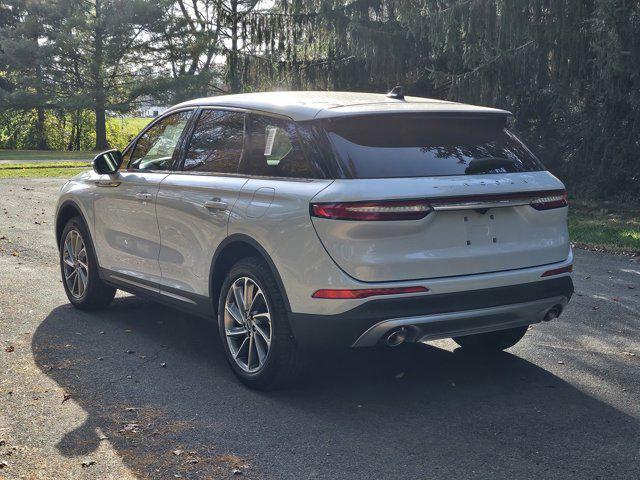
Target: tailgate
[(478, 224)]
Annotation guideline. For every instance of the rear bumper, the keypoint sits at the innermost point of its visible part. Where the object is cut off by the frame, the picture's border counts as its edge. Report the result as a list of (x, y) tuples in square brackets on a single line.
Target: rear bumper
[(429, 317)]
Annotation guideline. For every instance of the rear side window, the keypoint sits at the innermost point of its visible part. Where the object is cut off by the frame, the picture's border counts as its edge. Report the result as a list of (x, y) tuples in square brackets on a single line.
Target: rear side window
[(217, 142), (383, 146), (275, 151)]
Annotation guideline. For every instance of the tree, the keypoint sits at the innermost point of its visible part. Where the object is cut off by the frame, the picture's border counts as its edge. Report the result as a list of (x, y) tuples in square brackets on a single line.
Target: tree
[(22, 57), (99, 60)]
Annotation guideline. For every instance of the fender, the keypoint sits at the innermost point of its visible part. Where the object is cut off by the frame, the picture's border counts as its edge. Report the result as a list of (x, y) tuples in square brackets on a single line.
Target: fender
[(242, 238)]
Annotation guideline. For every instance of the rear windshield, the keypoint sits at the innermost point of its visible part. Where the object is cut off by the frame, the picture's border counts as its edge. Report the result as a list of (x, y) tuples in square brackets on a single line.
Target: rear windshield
[(383, 146)]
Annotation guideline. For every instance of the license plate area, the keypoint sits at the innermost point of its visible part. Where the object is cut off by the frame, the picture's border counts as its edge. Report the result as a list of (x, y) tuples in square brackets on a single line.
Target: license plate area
[(480, 228)]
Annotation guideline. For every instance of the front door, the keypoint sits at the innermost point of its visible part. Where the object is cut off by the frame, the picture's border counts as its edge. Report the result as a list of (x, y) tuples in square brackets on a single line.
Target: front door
[(127, 239)]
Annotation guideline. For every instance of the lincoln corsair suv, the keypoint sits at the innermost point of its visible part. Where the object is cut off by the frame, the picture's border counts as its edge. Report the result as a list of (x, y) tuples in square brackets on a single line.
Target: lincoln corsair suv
[(303, 221)]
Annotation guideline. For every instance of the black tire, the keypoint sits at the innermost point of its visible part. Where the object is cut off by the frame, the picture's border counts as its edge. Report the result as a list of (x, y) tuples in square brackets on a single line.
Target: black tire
[(491, 341), (283, 363), (97, 294)]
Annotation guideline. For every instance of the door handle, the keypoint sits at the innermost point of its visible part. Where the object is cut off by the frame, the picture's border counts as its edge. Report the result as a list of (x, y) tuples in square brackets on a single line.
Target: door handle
[(107, 183), (143, 196), (215, 204)]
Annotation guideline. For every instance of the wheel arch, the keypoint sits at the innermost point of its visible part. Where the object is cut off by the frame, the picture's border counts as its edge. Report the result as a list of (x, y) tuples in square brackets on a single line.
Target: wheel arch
[(67, 211), (232, 249)]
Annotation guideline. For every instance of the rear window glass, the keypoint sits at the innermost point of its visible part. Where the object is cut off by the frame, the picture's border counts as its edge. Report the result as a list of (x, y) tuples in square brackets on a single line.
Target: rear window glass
[(383, 146), (275, 150)]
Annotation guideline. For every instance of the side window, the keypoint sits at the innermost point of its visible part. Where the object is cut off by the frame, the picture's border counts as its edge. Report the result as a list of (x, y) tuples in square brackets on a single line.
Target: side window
[(275, 150), (154, 150), (216, 143)]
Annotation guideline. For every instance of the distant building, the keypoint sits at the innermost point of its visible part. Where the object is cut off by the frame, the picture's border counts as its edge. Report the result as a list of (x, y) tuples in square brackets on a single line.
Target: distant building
[(151, 111)]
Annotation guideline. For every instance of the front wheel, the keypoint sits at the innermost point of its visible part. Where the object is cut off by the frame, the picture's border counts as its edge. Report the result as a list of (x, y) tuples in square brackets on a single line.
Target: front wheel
[(491, 341), (253, 326), (79, 269)]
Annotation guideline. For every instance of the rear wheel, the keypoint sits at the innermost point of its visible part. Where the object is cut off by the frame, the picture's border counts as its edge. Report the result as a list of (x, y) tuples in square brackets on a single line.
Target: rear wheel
[(253, 326), (79, 269), (491, 341)]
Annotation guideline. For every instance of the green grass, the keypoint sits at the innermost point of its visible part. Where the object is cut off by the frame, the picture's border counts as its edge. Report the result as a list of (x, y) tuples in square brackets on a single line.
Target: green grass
[(44, 155), (600, 228), (42, 169)]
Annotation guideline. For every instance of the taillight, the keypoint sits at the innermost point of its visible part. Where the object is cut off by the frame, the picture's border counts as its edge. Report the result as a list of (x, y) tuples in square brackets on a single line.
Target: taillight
[(558, 271), (551, 200), (383, 210), (346, 294)]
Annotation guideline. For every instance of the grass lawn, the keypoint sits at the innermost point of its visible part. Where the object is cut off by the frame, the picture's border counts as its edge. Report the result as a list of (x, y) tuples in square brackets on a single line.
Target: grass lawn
[(42, 169), (44, 155), (599, 228)]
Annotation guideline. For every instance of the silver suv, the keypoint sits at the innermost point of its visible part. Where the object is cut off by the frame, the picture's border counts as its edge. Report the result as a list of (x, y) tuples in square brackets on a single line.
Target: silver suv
[(303, 221)]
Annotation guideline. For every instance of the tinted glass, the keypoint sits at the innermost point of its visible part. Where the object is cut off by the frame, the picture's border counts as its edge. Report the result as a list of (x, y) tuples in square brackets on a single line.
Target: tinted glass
[(275, 150), (216, 144), (418, 146), (154, 150)]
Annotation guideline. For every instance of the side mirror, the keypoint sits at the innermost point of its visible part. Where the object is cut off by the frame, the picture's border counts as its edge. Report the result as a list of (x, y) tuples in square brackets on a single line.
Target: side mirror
[(107, 162)]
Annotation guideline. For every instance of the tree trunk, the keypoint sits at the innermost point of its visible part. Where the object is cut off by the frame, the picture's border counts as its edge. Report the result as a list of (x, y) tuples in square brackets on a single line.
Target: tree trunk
[(98, 80), (41, 131), (234, 84)]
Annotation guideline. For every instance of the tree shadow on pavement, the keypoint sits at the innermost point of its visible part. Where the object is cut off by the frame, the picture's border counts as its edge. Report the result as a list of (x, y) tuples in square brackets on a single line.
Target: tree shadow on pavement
[(153, 380)]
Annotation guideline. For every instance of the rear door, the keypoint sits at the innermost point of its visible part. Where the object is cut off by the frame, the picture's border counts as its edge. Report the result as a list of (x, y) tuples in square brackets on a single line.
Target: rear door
[(127, 239), (194, 203), (435, 197)]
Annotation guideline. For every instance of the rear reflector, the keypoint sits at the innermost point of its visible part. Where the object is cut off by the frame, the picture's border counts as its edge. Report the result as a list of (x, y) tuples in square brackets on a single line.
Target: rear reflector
[(551, 200), (558, 271), (366, 292), (382, 210)]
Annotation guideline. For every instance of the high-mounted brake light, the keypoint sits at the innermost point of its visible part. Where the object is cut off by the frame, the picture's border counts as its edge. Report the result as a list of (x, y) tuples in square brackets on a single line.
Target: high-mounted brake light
[(558, 271), (346, 294), (551, 200), (375, 211)]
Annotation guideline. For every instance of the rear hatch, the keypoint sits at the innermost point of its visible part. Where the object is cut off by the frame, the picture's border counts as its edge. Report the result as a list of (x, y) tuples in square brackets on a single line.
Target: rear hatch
[(429, 196)]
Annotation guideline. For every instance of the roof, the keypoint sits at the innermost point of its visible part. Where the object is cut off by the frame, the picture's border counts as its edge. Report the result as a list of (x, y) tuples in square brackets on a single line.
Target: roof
[(308, 105)]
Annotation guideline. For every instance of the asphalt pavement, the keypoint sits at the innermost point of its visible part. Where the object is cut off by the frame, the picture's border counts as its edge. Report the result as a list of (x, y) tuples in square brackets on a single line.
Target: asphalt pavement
[(143, 391)]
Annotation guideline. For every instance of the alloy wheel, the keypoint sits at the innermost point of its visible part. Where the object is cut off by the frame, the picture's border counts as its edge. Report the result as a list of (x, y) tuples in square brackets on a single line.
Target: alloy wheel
[(247, 324), (76, 266)]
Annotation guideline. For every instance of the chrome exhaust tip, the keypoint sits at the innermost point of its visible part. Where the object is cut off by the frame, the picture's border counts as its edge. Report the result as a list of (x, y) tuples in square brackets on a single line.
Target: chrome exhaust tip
[(396, 337)]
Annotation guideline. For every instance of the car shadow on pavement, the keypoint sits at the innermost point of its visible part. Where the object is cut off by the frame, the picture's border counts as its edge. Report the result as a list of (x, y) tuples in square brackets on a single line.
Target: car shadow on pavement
[(154, 382)]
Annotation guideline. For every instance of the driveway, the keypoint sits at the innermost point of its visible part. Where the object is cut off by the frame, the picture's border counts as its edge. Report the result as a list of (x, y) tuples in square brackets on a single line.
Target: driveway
[(143, 391)]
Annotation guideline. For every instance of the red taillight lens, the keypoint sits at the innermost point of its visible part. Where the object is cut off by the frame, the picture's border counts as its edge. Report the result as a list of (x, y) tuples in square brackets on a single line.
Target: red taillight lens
[(551, 200), (374, 211), (366, 292), (558, 271)]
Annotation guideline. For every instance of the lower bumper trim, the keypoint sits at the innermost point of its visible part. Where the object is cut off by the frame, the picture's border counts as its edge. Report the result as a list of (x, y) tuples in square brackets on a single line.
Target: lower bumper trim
[(468, 322)]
